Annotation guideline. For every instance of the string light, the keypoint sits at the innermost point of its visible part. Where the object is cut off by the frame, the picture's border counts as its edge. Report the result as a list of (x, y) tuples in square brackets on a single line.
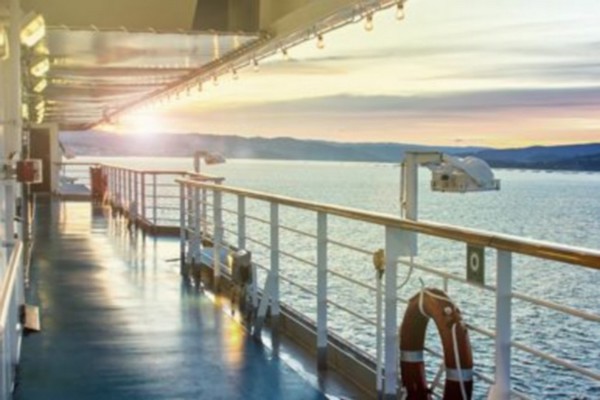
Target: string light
[(400, 10), (369, 22), (320, 42)]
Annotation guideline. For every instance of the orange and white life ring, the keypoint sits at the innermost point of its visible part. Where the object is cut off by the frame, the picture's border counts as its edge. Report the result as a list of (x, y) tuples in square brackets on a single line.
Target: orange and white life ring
[(458, 358)]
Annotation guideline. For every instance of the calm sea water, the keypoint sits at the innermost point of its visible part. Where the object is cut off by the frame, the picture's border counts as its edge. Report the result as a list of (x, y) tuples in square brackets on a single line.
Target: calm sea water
[(558, 207)]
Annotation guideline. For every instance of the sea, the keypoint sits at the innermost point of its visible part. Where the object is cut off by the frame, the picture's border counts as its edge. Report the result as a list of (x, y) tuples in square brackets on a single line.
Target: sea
[(561, 207)]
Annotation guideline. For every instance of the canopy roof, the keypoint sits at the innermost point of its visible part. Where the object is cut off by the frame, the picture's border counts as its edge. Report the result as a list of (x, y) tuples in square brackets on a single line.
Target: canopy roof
[(107, 57)]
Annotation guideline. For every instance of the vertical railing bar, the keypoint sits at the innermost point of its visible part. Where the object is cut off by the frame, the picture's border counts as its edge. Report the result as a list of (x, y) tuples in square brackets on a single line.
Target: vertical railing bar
[(196, 221), (501, 388), (143, 196), (218, 236), (182, 227), (274, 234), (393, 246), (322, 290), (241, 221), (154, 209)]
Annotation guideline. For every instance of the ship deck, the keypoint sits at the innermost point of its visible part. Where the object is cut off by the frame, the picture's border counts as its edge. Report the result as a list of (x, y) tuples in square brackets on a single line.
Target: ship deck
[(118, 322)]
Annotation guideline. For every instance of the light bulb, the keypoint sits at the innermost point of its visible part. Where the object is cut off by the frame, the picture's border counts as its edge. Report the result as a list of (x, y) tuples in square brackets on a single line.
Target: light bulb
[(400, 11), (320, 42), (215, 80), (369, 22), (255, 66), (199, 87), (235, 74), (285, 54)]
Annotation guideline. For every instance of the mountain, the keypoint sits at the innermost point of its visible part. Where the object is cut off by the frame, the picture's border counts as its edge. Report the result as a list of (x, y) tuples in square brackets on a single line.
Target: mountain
[(579, 157), (93, 143), (584, 157)]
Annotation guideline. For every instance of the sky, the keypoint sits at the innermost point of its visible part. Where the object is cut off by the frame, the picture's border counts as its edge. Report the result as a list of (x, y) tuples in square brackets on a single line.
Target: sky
[(500, 73)]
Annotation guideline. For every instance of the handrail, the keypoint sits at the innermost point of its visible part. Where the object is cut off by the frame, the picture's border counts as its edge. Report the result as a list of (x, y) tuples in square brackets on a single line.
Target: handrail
[(163, 171), (546, 250), (201, 176), (8, 283)]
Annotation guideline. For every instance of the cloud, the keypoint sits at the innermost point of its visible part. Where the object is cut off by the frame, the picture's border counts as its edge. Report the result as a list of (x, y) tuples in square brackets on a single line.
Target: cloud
[(485, 101)]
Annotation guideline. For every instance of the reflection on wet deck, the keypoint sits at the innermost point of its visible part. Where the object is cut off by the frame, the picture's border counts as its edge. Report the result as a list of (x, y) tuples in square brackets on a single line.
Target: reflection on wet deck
[(117, 322)]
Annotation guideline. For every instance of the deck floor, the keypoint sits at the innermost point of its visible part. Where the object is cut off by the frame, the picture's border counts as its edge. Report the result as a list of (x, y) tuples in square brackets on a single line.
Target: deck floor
[(118, 323)]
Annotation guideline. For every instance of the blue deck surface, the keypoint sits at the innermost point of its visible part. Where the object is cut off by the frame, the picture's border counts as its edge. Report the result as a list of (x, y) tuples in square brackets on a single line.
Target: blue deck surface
[(117, 322)]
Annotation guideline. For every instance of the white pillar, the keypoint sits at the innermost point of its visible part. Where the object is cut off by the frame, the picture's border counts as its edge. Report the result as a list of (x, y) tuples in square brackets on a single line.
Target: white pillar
[(218, 236), (322, 290), (393, 248), (14, 125), (275, 261), (501, 388)]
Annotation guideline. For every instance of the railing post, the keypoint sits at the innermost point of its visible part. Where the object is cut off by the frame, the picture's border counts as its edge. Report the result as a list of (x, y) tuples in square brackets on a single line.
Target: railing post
[(501, 388), (182, 227), (123, 189), (275, 261), (241, 233), (136, 194), (143, 196), (154, 221), (204, 212), (217, 237), (379, 331), (322, 291), (129, 190), (393, 249), (196, 221), (241, 222)]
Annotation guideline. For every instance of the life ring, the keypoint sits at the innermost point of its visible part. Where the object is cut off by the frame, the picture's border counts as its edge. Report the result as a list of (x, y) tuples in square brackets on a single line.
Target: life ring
[(458, 357)]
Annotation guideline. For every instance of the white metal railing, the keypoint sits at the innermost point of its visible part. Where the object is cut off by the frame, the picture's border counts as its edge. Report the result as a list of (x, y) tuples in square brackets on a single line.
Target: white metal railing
[(332, 265), (74, 173), (11, 300), (148, 195)]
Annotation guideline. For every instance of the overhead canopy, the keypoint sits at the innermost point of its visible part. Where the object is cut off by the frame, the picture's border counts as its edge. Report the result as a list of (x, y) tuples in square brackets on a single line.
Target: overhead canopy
[(107, 57)]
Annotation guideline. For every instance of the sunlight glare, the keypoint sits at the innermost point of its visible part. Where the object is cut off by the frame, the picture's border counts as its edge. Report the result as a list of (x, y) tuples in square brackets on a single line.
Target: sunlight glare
[(142, 123)]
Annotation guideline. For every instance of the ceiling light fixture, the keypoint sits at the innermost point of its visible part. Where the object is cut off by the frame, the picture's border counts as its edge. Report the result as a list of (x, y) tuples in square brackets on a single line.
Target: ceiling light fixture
[(320, 41), (369, 22), (40, 67), (400, 10), (33, 29)]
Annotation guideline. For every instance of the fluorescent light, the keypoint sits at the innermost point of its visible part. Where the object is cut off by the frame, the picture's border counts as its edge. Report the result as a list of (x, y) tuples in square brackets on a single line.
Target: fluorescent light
[(4, 51), (40, 67), (33, 29), (40, 85)]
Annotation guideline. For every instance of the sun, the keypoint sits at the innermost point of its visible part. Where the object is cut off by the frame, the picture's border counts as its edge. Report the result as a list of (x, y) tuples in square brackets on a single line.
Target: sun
[(142, 123)]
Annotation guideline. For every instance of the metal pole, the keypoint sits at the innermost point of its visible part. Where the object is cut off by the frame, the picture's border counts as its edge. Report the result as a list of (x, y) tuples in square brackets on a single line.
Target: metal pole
[(154, 222), (182, 227), (241, 222), (143, 196), (379, 329), (136, 193), (196, 221), (14, 129), (204, 213), (501, 388), (322, 291), (218, 237), (393, 247), (274, 233)]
